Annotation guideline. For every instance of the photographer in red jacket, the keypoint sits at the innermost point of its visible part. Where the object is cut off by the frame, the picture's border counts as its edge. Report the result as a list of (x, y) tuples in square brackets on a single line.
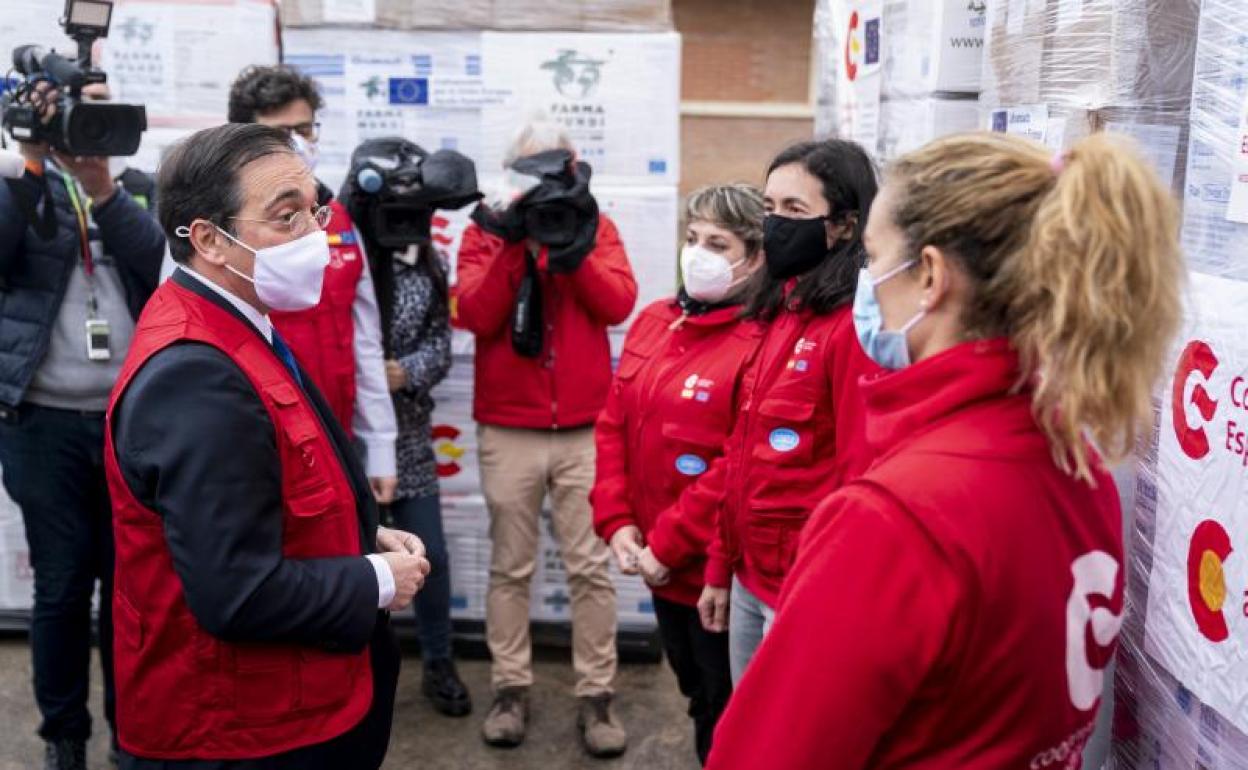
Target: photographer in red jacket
[(539, 280), (669, 412), (957, 606)]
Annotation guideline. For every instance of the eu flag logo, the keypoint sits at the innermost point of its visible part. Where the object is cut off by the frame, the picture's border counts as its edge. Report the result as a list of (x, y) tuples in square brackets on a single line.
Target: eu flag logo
[(409, 90)]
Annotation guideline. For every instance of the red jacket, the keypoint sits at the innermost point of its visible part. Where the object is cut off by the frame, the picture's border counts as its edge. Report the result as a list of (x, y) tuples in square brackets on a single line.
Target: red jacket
[(323, 337), (954, 608), (181, 692), (566, 386), (798, 436), (670, 409)]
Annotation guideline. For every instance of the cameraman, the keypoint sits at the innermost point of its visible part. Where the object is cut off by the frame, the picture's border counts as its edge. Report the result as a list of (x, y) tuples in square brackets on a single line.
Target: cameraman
[(538, 391), (78, 260)]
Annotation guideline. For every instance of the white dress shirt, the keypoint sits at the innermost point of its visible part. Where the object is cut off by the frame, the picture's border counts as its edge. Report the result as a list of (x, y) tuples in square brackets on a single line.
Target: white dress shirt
[(385, 577), (373, 423)]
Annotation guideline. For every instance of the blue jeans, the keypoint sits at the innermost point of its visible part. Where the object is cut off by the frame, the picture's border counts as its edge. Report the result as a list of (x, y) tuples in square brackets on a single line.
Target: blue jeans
[(53, 463), (749, 620), (422, 516)]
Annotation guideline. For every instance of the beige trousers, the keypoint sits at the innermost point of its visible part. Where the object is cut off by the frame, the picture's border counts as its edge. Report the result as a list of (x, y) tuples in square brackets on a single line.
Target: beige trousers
[(518, 469)]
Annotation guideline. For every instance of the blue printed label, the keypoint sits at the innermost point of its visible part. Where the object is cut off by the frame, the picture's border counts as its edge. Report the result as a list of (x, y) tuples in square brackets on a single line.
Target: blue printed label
[(409, 91), (691, 465), (784, 439)]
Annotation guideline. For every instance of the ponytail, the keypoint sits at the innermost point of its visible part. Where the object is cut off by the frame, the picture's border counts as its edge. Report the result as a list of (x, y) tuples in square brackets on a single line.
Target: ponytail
[(1094, 299), (1076, 259)]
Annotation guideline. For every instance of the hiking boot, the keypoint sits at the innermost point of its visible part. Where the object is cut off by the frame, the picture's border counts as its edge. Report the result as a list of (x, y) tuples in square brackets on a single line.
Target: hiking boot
[(601, 732), (65, 754), (443, 687), (508, 718)]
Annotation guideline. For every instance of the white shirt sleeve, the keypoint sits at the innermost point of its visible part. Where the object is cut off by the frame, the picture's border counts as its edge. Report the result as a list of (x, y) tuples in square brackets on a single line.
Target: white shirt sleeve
[(374, 422), (385, 580)]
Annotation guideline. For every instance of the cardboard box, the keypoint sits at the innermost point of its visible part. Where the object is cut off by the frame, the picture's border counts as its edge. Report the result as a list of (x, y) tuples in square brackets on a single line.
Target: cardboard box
[(932, 46), (849, 51), (907, 124)]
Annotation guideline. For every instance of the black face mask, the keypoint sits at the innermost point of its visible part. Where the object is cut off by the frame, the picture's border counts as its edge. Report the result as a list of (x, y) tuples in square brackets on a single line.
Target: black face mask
[(793, 246)]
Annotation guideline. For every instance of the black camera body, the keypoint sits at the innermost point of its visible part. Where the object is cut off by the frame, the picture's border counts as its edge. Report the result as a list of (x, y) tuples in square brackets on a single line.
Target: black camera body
[(394, 186), (79, 127), (558, 211)]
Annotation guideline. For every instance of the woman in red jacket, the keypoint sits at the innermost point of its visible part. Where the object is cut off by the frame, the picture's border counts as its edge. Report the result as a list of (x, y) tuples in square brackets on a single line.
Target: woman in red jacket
[(957, 605), (670, 409), (798, 428)]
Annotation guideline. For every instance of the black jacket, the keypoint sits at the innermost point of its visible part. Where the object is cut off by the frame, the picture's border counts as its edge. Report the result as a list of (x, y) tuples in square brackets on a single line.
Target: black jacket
[(34, 271)]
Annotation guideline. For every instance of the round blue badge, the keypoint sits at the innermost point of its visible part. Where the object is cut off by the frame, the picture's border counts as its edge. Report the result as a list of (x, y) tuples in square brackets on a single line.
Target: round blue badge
[(691, 465), (784, 439)]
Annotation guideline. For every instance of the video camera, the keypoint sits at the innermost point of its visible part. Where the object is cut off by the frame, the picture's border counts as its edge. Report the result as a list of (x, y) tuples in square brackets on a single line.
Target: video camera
[(552, 205), (78, 127), (394, 186)]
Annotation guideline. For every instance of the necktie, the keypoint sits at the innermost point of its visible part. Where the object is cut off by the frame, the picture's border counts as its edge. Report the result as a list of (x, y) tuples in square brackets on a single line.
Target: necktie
[(288, 358)]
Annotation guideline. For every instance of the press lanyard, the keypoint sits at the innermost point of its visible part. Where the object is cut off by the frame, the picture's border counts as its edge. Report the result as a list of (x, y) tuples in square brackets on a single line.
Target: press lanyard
[(84, 239)]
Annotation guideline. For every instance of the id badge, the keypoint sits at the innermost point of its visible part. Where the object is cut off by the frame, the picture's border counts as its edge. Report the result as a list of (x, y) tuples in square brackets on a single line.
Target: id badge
[(97, 340)]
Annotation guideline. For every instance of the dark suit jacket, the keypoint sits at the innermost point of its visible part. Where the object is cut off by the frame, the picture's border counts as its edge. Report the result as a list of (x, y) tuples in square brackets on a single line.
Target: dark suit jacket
[(196, 445)]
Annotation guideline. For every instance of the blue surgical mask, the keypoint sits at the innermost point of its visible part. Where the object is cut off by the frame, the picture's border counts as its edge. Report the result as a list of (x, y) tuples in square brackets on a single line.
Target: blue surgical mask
[(886, 348)]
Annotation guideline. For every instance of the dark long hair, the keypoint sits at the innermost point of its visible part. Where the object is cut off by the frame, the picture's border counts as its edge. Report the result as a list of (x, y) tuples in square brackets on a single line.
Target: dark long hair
[(847, 176)]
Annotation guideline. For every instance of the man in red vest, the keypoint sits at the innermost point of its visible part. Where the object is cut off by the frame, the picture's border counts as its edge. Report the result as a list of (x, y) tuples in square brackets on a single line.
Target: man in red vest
[(338, 340), (252, 579)]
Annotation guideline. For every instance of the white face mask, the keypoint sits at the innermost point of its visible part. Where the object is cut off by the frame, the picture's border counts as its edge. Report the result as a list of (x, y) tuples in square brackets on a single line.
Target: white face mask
[(707, 276), (289, 277), (308, 151)]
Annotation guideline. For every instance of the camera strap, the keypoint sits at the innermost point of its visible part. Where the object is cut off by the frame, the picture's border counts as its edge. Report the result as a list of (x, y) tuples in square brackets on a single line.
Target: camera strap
[(84, 240)]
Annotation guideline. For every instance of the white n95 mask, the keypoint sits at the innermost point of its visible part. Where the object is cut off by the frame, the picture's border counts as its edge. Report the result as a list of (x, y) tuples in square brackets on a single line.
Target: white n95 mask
[(289, 277)]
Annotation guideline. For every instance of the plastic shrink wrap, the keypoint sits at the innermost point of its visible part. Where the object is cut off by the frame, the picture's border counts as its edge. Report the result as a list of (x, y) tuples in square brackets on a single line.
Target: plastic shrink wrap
[(1056, 70), (894, 75), (1182, 685)]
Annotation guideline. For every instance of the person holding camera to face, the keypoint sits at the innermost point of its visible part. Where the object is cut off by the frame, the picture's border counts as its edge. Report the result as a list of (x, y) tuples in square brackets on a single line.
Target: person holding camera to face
[(541, 275), (79, 258)]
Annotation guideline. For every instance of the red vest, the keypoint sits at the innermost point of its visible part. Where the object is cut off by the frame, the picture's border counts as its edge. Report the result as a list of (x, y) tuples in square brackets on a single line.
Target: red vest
[(323, 337), (182, 693)]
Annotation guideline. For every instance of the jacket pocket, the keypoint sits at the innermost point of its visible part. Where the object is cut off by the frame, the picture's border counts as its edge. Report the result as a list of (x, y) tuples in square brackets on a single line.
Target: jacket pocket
[(771, 538), (308, 529), (265, 682), (688, 451), (785, 431)]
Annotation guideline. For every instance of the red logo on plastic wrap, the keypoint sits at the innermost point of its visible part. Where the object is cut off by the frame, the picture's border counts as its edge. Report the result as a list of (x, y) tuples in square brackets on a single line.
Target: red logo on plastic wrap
[(1197, 357), (446, 450), (1206, 579), (851, 48)]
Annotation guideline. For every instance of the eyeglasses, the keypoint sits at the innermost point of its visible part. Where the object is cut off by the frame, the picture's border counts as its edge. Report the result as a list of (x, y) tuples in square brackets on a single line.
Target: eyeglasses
[(299, 222), (309, 131)]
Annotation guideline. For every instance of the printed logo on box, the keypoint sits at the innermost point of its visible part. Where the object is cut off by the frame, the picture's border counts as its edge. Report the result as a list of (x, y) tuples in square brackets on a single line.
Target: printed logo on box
[(575, 76), (409, 91), (446, 450)]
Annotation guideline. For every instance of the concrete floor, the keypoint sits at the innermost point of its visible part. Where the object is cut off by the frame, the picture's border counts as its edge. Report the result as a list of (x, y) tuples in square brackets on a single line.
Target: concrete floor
[(653, 711)]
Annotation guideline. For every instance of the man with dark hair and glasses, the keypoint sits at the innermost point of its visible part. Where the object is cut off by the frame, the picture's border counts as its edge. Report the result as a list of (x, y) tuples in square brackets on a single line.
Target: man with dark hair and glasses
[(339, 340), (253, 580)]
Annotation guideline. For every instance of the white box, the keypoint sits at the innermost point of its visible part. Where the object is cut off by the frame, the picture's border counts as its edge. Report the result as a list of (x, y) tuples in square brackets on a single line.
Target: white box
[(849, 69), (618, 95), (932, 46), (427, 88), (907, 124)]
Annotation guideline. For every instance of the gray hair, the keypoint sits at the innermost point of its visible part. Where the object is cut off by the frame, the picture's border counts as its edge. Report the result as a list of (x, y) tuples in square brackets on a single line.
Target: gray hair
[(538, 134)]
